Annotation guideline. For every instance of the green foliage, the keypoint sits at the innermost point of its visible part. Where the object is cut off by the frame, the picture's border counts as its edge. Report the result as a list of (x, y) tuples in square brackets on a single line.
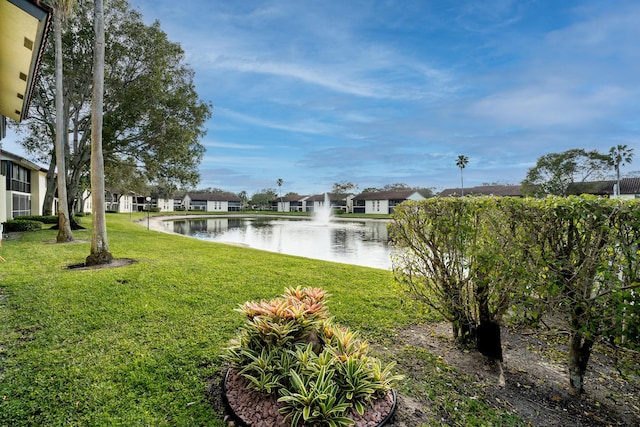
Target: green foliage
[(45, 219), (313, 399), (587, 248), (261, 200), (22, 225), (577, 256), (343, 187), (555, 172), (455, 255), (153, 116), (289, 345), (136, 345)]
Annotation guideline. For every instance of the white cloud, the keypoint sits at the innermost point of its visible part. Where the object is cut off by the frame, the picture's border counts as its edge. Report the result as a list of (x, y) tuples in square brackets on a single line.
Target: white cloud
[(233, 145), (542, 106), (309, 125)]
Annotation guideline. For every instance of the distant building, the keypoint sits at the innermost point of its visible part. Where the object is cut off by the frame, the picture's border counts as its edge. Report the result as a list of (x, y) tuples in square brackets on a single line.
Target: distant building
[(338, 202), (212, 202), (629, 188), (290, 203), (22, 187), (383, 202)]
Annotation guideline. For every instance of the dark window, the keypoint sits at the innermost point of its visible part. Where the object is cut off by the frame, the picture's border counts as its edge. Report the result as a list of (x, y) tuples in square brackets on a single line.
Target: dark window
[(18, 178), (21, 205)]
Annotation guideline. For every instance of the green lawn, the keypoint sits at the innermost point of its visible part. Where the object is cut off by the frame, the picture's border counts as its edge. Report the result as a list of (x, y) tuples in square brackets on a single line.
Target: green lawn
[(135, 345)]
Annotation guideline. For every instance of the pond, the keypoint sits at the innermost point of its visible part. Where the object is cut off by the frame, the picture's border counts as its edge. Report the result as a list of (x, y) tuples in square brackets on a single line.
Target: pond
[(362, 243)]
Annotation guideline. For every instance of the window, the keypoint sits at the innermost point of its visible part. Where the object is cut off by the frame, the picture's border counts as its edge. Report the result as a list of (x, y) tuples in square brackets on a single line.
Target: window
[(18, 178), (21, 205)]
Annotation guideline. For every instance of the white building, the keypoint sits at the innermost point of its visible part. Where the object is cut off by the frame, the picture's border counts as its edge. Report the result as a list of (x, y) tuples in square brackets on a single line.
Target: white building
[(22, 187)]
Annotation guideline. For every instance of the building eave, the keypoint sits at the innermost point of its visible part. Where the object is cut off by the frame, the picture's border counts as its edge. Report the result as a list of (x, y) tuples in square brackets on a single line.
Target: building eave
[(24, 29)]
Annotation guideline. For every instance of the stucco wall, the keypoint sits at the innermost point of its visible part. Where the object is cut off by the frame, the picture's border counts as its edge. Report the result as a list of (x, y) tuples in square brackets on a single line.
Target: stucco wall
[(4, 199)]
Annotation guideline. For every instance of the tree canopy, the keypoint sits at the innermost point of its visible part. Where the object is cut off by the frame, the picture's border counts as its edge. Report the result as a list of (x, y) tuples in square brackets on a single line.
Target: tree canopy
[(343, 187), (555, 172), (153, 117)]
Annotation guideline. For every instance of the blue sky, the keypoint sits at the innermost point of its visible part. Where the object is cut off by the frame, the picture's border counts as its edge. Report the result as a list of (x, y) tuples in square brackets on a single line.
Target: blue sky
[(380, 92)]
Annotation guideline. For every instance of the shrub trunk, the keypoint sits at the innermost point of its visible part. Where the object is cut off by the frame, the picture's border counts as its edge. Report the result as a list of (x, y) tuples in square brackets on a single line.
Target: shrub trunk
[(579, 352)]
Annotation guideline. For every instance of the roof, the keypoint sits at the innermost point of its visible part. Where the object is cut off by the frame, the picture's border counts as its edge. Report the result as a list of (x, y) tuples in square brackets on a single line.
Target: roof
[(24, 26), (629, 186), (602, 188), (484, 190), (5, 155), (386, 195), (292, 198), (214, 197), (333, 197)]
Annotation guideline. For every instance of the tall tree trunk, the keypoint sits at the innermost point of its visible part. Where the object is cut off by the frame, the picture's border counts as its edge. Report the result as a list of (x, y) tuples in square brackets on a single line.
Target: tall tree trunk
[(99, 245), (49, 195), (64, 224)]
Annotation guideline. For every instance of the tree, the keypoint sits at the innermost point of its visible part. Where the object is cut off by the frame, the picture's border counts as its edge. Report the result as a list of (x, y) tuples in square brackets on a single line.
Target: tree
[(343, 187), (586, 249), (449, 256), (371, 190), (125, 177), (620, 155), (461, 162), (99, 244), (280, 181), (425, 192), (152, 113), (396, 186), (263, 198), (554, 173), (243, 199), (62, 10)]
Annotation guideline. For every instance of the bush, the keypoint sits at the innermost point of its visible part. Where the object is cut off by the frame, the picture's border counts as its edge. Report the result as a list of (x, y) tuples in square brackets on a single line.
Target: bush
[(575, 256), (45, 219), (290, 347), (22, 225)]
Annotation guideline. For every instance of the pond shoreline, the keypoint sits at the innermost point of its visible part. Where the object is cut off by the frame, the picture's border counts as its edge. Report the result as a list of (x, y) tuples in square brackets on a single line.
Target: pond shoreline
[(336, 241), (156, 222)]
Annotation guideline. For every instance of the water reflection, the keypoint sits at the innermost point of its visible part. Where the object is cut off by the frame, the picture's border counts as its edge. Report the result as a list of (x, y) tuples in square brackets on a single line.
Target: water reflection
[(356, 242)]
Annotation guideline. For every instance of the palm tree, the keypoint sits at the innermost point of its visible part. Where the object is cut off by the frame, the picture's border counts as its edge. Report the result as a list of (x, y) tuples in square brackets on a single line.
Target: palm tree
[(461, 163), (280, 182), (99, 245), (620, 154), (62, 10)]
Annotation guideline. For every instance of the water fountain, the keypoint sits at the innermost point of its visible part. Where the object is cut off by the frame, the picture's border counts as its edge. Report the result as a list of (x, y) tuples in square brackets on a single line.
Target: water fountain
[(322, 215)]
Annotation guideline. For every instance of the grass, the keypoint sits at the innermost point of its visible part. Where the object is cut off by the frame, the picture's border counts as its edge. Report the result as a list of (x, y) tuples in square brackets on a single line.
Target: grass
[(135, 345)]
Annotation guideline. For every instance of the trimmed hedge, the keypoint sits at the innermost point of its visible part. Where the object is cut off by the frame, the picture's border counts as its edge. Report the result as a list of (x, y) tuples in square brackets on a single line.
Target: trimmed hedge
[(22, 225), (475, 258), (48, 219)]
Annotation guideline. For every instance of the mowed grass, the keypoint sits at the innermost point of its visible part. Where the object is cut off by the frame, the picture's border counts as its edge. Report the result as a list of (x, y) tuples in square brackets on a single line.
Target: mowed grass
[(135, 345)]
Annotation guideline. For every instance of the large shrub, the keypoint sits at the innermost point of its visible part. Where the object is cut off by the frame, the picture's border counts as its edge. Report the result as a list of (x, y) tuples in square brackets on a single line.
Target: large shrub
[(455, 255), (22, 225), (471, 257), (290, 347), (45, 219), (586, 251)]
